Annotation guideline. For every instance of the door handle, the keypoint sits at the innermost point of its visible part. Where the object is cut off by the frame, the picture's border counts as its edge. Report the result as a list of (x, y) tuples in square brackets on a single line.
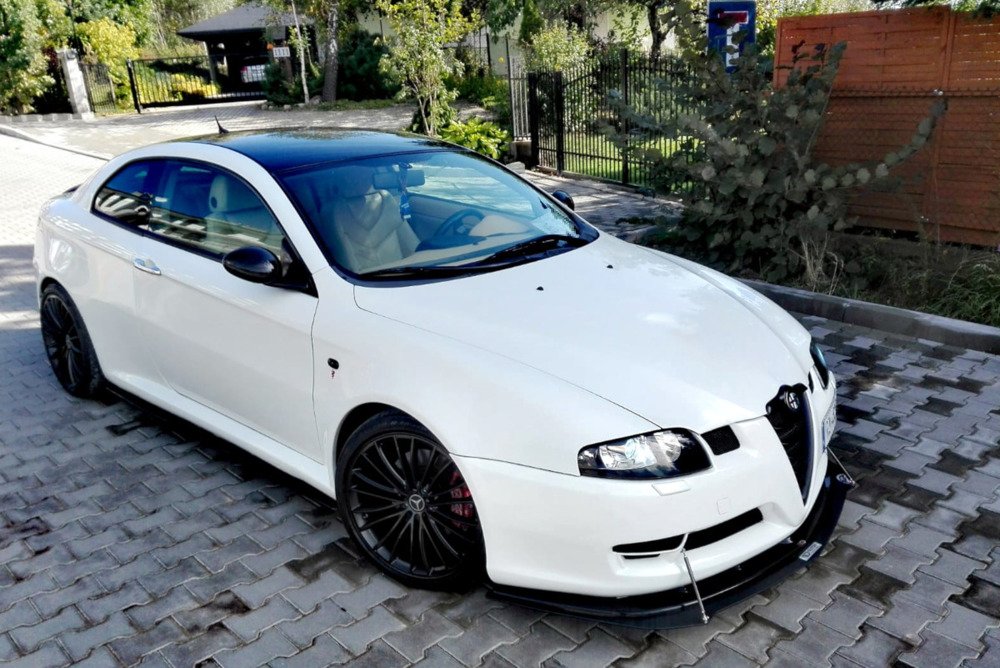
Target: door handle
[(146, 265)]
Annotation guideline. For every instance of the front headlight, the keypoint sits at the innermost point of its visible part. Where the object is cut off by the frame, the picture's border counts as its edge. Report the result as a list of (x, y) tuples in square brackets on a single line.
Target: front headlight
[(820, 361), (662, 454)]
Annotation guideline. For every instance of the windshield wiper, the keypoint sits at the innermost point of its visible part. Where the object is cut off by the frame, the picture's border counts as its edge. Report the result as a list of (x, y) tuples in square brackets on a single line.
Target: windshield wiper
[(524, 249), (423, 271)]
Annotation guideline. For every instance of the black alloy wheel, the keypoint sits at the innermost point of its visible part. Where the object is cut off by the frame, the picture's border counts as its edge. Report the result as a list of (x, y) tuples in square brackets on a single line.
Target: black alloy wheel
[(68, 345), (406, 504)]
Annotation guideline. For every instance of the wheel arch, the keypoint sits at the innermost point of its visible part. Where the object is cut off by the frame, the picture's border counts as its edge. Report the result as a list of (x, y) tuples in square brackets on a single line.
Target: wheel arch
[(46, 282), (356, 417)]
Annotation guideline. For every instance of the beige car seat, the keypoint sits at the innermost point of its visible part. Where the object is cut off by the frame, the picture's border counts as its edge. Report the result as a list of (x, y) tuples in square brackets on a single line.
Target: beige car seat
[(368, 227), (237, 217)]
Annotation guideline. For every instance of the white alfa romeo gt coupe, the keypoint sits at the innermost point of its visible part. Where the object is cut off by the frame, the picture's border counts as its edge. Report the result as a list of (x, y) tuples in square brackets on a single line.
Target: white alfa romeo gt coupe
[(491, 389)]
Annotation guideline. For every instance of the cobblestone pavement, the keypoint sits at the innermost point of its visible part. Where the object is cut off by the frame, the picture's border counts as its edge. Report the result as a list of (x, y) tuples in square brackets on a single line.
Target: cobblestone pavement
[(164, 545)]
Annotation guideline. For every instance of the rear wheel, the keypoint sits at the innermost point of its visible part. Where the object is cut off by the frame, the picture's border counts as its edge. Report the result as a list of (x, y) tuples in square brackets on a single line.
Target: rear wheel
[(406, 504), (67, 344)]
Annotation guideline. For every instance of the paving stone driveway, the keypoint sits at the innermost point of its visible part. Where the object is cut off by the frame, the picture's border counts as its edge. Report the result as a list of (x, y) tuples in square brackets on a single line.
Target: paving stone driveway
[(123, 539)]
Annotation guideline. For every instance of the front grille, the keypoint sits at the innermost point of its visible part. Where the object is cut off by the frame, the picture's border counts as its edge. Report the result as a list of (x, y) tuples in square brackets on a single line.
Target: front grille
[(788, 414)]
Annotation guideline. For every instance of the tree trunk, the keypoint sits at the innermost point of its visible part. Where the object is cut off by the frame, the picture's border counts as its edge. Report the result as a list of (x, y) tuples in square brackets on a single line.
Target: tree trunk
[(332, 16), (655, 28), (300, 41)]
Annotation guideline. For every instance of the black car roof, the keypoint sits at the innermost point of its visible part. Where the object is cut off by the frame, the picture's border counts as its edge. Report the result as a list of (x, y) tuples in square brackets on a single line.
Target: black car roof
[(281, 150)]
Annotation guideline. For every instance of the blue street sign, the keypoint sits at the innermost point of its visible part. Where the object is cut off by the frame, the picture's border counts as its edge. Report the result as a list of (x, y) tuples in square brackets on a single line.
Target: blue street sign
[(727, 19)]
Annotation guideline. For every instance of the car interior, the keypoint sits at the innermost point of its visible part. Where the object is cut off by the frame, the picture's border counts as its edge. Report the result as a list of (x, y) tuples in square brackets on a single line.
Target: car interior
[(379, 217)]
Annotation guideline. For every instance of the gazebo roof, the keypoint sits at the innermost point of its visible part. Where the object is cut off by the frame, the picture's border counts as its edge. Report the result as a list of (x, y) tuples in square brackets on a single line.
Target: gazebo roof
[(242, 18)]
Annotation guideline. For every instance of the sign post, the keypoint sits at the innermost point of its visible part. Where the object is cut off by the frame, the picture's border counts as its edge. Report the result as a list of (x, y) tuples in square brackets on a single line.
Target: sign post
[(728, 20)]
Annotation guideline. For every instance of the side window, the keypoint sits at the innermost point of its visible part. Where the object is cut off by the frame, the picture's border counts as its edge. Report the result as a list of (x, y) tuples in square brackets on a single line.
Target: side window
[(210, 209), (125, 196)]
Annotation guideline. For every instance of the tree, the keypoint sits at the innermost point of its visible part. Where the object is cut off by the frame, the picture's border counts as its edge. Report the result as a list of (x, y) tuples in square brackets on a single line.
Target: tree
[(418, 58), (22, 65), (139, 15)]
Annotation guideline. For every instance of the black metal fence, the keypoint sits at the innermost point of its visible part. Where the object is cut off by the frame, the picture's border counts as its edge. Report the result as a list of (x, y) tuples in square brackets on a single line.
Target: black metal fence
[(101, 91), (570, 115), (163, 82)]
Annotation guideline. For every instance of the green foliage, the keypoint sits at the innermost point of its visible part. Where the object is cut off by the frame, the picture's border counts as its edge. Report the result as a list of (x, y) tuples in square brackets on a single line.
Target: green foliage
[(531, 22), (55, 26), (138, 15), (360, 77), (110, 44), (769, 11), (500, 15), (418, 58), (169, 16), (757, 198), (280, 90), (22, 65), (479, 135), (192, 89), (984, 8), (558, 46), (628, 25)]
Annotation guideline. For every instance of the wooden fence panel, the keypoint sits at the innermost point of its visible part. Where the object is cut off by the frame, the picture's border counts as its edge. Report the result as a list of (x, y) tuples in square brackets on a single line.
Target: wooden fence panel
[(897, 64)]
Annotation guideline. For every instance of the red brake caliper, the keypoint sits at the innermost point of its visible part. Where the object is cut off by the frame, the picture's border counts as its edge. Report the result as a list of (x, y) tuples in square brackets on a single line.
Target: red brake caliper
[(462, 507)]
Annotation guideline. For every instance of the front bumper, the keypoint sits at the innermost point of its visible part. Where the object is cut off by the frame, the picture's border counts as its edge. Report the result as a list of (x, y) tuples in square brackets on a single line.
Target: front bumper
[(679, 607)]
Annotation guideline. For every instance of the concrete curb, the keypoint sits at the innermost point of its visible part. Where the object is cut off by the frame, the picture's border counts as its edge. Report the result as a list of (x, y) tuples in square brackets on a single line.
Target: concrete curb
[(886, 318), (17, 134)]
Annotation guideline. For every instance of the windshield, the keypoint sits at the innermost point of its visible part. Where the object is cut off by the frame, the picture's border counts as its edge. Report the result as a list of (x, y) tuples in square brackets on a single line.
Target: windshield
[(429, 212)]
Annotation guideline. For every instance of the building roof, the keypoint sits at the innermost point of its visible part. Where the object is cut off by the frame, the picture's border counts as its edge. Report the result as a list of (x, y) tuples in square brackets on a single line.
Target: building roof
[(292, 148), (241, 18)]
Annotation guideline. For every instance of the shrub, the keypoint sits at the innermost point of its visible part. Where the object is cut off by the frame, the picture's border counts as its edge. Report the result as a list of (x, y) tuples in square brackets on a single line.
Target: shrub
[(479, 135), (22, 65), (111, 44), (278, 89), (360, 77), (556, 47), (192, 89), (757, 199)]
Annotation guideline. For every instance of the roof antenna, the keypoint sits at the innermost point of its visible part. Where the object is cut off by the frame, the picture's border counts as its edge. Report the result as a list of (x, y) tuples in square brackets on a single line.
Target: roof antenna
[(222, 130)]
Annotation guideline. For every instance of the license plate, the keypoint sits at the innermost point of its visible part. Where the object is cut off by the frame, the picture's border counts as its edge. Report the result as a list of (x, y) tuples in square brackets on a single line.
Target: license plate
[(829, 424)]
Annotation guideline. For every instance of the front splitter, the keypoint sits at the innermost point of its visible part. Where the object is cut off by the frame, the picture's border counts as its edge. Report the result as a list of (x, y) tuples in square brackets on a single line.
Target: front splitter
[(679, 607)]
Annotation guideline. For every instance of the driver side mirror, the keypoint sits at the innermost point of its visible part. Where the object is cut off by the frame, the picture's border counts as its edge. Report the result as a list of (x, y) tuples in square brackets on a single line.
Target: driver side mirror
[(565, 198), (254, 264)]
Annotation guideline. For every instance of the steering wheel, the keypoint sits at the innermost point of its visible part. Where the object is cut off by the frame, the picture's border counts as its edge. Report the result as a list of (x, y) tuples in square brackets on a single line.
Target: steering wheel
[(455, 224)]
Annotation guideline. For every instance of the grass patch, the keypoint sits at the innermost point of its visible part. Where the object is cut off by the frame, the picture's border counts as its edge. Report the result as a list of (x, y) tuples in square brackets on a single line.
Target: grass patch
[(347, 105), (593, 154)]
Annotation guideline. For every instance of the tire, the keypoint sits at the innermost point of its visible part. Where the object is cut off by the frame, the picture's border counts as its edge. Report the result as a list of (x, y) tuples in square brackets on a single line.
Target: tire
[(406, 505), (68, 345)]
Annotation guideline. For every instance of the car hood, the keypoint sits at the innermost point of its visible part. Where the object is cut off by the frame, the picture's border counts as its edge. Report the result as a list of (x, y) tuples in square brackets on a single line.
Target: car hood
[(668, 340)]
